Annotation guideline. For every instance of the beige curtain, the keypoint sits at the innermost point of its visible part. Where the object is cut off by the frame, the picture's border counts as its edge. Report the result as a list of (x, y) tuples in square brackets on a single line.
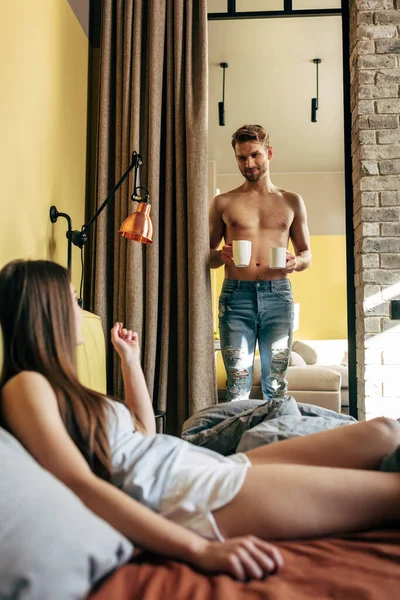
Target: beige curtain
[(153, 99)]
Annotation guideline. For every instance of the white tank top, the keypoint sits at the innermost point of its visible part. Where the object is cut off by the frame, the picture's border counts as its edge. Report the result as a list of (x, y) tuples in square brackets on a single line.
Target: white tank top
[(164, 472)]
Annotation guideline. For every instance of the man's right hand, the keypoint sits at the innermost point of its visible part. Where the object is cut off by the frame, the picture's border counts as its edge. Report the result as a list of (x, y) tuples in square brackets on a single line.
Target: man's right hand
[(227, 254), (243, 558)]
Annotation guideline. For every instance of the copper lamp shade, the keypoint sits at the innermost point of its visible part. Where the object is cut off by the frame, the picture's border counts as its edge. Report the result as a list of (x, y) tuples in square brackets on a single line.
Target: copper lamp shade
[(138, 225)]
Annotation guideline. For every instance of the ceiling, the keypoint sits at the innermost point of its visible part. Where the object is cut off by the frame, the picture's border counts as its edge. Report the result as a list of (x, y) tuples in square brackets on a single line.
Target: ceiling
[(270, 81)]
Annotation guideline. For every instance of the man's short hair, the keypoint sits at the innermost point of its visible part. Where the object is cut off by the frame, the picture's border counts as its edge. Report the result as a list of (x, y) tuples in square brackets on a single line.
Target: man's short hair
[(251, 133)]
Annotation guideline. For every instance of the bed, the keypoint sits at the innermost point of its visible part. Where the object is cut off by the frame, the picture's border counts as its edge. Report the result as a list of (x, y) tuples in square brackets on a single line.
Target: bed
[(365, 566), (354, 567)]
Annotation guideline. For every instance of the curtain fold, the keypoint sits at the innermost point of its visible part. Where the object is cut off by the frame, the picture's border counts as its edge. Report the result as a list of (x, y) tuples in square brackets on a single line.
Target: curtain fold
[(153, 99)]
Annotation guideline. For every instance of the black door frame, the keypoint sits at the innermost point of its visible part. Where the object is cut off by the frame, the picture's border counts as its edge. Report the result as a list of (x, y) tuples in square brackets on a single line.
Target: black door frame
[(289, 12)]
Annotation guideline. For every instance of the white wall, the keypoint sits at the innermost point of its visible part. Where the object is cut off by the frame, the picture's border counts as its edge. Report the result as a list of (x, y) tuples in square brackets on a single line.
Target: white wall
[(270, 80)]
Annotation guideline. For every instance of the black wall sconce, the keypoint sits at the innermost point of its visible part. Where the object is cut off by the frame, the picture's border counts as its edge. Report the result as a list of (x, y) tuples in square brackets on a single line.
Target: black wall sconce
[(314, 101), (221, 105)]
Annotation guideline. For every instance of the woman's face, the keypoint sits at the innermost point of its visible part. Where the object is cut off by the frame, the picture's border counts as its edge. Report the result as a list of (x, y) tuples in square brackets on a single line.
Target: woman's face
[(78, 314)]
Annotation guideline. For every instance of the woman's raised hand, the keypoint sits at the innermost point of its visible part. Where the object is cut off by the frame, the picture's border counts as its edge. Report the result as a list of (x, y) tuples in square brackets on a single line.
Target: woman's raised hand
[(244, 558), (125, 342)]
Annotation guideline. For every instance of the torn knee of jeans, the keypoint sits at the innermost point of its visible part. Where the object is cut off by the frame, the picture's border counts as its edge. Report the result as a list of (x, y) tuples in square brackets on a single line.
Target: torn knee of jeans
[(280, 360), (238, 374), (238, 391), (233, 352)]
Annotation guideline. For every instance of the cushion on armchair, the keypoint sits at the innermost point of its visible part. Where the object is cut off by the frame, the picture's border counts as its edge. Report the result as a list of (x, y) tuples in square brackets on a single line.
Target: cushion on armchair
[(296, 360), (314, 377), (306, 352), (326, 352)]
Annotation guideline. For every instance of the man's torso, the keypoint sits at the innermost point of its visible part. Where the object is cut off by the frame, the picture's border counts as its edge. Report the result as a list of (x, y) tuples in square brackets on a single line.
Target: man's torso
[(265, 220)]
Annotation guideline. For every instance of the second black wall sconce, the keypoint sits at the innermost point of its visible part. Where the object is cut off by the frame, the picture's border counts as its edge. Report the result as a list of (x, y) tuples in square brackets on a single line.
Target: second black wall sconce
[(221, 105), (314, 101)]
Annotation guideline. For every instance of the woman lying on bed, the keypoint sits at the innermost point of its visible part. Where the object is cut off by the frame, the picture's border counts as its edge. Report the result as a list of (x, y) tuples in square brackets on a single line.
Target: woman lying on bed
[(166, 495)]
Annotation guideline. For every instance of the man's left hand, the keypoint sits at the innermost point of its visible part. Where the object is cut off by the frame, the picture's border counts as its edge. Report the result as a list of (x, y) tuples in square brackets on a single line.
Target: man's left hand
[(290, 263)]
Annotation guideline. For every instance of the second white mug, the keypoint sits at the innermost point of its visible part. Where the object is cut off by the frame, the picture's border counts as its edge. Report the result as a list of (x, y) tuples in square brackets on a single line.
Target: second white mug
[(277, 258), (241, 252)]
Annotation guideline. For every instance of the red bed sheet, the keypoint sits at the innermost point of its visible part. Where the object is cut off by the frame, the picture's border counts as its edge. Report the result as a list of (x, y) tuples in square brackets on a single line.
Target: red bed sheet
[(358, 567)]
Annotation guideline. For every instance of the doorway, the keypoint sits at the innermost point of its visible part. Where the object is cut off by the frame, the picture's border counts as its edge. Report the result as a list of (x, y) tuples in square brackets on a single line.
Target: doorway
[(271, 80)]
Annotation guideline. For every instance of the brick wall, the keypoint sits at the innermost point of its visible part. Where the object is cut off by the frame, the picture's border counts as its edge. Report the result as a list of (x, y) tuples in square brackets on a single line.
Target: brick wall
[(375, 106)]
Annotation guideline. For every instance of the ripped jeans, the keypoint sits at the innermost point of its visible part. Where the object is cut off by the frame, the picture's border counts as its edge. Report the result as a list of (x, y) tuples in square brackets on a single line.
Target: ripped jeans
[(251, 311)]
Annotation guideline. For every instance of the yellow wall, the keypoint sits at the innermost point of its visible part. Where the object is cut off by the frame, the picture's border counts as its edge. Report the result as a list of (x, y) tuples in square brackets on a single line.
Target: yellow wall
[(320, 291), (43, 107)]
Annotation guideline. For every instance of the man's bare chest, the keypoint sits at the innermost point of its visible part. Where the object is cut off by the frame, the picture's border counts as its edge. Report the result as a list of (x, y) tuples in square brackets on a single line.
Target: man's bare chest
[(276, 216)]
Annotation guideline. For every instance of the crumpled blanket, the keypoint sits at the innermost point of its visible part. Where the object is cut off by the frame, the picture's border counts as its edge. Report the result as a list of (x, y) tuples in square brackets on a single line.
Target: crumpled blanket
[(245, 424)]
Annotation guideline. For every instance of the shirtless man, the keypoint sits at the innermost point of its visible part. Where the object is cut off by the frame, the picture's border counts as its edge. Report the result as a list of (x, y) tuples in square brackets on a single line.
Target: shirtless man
[(256, 302)]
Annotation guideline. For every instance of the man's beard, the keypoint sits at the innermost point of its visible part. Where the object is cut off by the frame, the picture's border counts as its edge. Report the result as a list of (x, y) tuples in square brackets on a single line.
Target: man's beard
[(254, 176)]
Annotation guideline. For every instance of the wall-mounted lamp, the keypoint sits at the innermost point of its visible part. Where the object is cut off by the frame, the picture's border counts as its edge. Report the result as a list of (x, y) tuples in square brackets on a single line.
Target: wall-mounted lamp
[(137, 226), (314, 101), (221, 105)]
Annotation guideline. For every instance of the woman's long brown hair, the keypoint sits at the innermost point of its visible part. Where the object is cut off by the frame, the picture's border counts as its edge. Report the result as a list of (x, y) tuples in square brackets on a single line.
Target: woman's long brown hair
[(39, 334)]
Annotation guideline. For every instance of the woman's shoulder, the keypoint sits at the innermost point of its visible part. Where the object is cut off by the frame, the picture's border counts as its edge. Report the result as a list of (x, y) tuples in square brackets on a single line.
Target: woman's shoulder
[(27, 391), (25, 380)]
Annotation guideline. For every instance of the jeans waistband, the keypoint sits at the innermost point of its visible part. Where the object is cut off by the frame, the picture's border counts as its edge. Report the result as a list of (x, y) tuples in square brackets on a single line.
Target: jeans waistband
[(268, 285)]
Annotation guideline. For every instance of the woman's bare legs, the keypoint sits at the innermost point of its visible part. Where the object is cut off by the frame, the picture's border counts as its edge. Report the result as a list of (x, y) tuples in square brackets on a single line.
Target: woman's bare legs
[(278, 502), (317, 485), (354, 446)]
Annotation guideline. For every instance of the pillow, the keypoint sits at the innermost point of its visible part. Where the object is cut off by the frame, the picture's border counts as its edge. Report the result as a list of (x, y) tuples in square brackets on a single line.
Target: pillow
[(305, 351), (51, 545), (296, 360)]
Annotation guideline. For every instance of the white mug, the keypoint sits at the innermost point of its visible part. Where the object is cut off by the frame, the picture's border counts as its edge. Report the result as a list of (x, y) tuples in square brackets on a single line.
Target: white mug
[(241, 252), (277, 258)]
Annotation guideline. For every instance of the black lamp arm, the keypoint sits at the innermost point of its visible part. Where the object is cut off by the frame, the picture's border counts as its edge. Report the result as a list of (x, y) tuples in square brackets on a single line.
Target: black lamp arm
[(79, 238)]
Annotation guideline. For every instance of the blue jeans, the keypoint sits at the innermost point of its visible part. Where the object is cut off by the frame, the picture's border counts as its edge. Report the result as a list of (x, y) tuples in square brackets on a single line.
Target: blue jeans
[(251, 311)]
